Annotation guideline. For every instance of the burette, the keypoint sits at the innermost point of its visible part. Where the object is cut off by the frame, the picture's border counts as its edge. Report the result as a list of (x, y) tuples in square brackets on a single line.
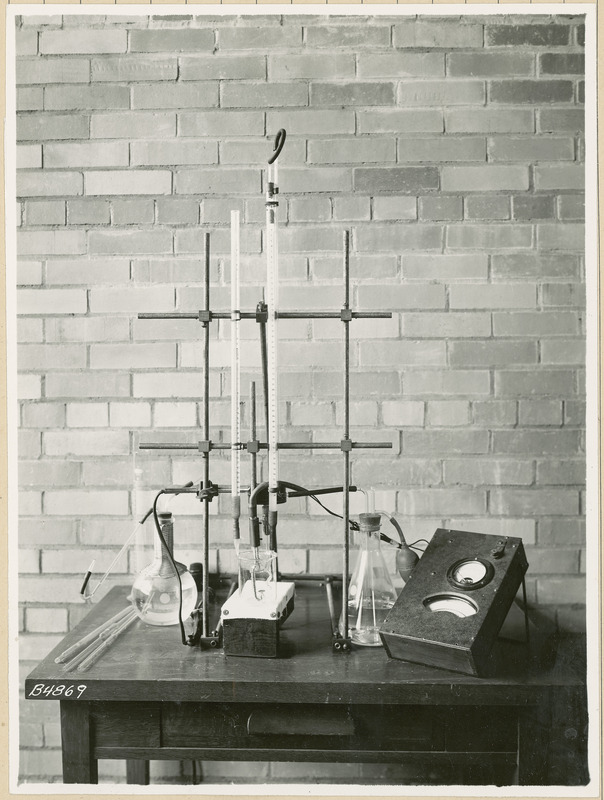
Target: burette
[(272, 282), (235, 377)]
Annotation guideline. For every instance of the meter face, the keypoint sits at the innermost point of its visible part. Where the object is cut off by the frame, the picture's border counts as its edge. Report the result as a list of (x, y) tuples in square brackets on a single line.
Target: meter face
[(452, 604), (470, 573)]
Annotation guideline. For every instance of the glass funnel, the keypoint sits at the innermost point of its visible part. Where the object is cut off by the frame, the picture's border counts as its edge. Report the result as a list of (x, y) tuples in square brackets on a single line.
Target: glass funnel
[(371, 592)]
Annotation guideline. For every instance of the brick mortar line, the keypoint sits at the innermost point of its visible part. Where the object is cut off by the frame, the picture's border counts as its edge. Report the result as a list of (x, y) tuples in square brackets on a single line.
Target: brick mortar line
[(398, 2)]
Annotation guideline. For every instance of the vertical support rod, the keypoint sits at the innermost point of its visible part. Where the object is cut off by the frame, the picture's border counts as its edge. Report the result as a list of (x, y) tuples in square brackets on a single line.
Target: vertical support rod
[(254, 469), (261, 308), (206, 438), (272, 285), (346, 452), (235, 377), (330, 605), (527, 630)]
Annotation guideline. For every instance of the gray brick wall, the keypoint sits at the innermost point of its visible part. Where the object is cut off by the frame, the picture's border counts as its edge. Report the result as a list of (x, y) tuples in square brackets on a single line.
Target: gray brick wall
[(452, 149)]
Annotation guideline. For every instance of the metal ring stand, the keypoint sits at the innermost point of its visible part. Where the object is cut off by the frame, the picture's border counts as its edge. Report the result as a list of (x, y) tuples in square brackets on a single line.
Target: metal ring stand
[(341, 640)]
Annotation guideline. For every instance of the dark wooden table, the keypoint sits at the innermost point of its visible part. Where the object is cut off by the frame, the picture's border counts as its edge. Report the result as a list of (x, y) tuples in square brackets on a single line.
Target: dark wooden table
[(150, 697)]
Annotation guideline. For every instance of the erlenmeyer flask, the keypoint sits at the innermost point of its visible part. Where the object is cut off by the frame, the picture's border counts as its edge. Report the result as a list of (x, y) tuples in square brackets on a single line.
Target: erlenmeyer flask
[(371, 592), (156, 590)]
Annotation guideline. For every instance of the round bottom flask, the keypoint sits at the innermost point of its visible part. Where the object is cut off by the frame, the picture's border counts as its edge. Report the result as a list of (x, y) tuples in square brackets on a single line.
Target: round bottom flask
[(156, 590)]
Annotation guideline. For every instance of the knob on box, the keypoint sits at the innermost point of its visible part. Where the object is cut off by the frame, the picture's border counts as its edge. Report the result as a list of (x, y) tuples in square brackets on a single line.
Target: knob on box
[(455, 601)]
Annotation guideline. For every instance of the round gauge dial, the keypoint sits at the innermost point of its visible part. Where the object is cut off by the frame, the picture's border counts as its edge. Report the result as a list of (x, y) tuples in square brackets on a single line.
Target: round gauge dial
[(470, 573), (452, 604)]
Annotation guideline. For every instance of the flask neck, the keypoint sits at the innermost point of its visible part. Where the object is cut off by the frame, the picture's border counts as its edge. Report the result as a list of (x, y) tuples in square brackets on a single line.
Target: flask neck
[(163, 553), (167, 529), (370, 539)]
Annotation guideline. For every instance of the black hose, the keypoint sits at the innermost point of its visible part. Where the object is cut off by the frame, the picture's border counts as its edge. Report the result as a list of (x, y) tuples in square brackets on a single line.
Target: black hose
[(278, 145), (174, 567)]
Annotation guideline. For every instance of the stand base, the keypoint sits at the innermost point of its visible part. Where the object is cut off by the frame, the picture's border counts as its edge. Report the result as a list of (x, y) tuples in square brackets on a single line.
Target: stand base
[(252, 629)]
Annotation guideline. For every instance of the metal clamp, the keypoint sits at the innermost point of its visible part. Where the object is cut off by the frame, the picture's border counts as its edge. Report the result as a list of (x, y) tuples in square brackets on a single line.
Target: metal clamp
[(341, 644), (261, 312), (207, 492), (213, 640)]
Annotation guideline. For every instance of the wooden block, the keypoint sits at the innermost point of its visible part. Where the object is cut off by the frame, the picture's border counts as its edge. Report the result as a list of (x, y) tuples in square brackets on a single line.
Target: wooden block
[(252, 628), (258, 638)]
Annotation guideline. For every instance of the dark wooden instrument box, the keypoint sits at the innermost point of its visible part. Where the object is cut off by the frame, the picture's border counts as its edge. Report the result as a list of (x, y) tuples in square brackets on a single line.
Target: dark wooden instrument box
[(413, 632)]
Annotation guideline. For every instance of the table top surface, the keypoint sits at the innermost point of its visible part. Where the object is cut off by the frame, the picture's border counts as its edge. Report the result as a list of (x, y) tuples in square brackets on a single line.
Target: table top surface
[(149, 663)]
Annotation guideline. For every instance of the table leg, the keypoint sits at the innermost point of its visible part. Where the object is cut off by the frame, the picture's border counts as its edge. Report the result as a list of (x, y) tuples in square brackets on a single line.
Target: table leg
[(534, 740), (137, 771), (569, 738), (78, 764)]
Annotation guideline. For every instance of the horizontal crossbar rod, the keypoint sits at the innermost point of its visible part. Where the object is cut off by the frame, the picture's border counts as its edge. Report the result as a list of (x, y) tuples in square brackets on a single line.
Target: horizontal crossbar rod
[(280, 315), (263, 446)]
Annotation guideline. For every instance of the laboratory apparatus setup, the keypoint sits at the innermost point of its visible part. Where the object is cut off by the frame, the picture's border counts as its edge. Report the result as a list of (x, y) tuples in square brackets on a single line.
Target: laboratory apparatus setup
[(454, 599)]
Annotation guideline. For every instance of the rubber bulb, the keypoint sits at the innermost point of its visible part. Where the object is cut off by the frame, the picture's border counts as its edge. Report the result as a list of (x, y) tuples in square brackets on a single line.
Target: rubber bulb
[(406, 560)]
